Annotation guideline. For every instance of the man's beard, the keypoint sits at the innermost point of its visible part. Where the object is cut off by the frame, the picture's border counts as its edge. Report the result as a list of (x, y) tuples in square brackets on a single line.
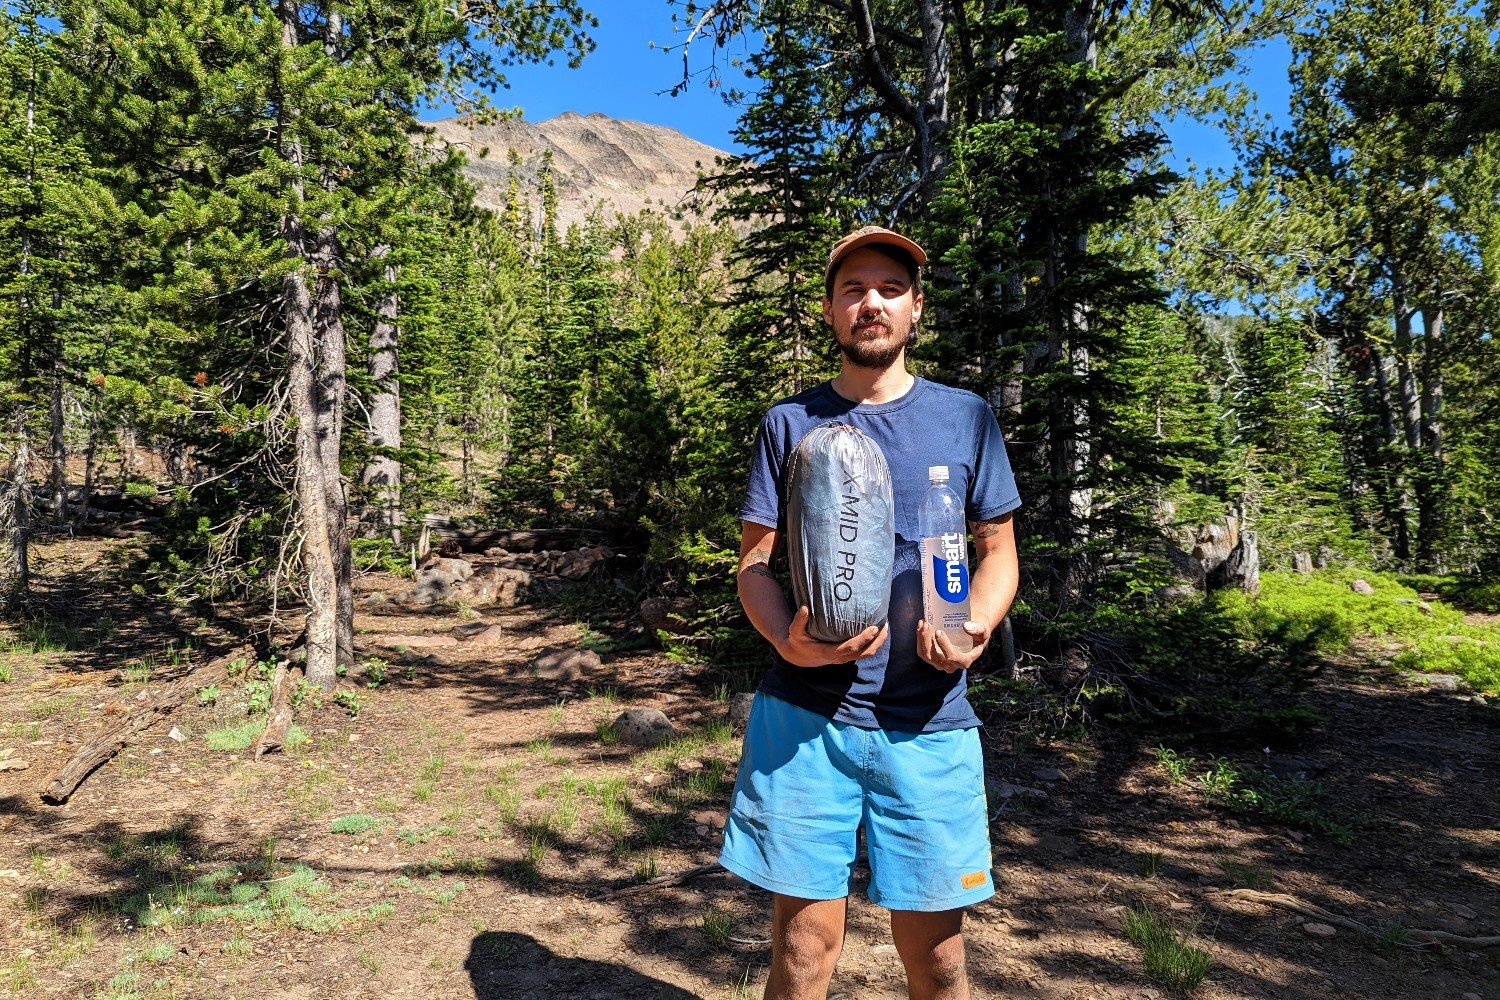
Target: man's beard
[(877, 355)]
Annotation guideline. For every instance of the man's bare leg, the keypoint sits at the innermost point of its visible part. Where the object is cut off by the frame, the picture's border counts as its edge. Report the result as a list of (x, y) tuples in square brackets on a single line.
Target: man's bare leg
[(806, 938), (931, 946)]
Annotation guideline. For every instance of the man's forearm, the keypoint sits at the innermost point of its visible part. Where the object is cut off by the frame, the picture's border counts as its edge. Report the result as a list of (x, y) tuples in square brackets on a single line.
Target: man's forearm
[(764, 601), (992, 588)]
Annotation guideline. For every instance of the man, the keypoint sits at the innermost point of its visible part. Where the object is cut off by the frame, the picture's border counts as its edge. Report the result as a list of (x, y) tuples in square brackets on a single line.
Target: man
[(875, 732)]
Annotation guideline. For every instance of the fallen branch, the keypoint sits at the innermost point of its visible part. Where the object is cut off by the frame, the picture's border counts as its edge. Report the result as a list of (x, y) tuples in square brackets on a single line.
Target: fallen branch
[(661, 881), (115, 737), (280, 720), (1425, 937)]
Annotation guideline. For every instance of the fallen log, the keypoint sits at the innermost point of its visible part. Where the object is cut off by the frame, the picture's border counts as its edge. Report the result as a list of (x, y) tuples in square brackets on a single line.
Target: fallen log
[(472, 539), (1424, 936), (116, 736), (274, 736)]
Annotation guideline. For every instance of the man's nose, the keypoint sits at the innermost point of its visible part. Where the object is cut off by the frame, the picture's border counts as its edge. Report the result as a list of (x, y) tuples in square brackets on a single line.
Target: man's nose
[(872, 302)]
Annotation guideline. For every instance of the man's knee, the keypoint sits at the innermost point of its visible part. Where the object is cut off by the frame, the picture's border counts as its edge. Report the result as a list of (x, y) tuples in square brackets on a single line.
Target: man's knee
[(941, 964), (810, 950), (809, 938), (931, 947)]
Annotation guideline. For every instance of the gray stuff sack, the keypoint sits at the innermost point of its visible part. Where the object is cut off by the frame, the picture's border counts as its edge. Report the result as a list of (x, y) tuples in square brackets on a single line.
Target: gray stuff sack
[(841, 533)]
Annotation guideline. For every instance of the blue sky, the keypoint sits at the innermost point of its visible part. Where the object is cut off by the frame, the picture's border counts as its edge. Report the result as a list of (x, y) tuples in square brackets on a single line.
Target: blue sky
[(625, 77), (628, 74)]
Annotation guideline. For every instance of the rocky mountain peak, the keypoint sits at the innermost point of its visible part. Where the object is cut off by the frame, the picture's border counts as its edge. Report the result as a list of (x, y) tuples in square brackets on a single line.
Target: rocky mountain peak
[(598, 161)]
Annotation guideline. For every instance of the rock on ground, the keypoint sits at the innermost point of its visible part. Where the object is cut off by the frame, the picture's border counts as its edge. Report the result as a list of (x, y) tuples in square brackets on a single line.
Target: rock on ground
[(739, 711), (644, 727), (564, 666)]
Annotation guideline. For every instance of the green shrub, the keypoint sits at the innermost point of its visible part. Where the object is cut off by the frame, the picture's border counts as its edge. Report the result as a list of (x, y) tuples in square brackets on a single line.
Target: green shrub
[(1324, 612), (1467, 592)]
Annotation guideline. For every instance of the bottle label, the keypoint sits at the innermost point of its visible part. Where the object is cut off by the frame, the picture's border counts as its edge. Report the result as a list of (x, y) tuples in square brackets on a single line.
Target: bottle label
[(950, 571)]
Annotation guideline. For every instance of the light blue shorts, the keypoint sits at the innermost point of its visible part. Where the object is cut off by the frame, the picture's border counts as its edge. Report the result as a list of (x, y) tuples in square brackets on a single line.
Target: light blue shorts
[(806, 784)]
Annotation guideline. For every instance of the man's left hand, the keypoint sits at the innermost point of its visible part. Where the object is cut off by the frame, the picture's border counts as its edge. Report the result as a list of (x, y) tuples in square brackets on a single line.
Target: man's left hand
[(934, 647)]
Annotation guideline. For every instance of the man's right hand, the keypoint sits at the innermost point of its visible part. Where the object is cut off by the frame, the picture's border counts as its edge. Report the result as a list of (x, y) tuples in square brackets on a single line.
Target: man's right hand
[(802, 650)]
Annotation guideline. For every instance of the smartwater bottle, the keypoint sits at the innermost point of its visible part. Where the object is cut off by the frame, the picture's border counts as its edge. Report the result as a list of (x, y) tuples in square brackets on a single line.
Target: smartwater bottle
[(945, 560)]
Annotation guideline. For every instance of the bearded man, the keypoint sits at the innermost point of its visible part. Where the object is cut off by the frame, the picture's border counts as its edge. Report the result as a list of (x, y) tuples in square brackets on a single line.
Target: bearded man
[(875, 732)]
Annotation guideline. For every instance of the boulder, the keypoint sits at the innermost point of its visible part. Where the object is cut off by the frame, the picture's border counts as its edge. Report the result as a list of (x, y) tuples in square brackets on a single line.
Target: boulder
[(739, 711), (497, 586), (644, 727), (438, 581), (563, 666), (487, 636), (1361, 587), (667, 614), (578, 564)]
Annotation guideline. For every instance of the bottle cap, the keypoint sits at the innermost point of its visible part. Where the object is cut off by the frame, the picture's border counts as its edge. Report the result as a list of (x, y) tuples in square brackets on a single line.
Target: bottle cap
[(937, 473)]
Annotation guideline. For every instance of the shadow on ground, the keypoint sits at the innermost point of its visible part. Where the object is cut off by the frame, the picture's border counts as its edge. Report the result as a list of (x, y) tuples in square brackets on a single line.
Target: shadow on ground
[(504, 965)]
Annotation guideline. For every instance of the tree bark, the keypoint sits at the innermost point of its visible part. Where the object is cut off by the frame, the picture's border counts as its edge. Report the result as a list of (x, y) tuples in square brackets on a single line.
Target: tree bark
[(307, 401), (15, 513), (59, 452), (382, 475), (332, 378)]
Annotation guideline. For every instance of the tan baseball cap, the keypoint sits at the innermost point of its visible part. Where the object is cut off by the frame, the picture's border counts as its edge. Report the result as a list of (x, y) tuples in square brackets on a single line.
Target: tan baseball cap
[(863, 238)]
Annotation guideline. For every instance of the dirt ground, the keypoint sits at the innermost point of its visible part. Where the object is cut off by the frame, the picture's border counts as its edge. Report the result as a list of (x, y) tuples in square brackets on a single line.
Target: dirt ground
[(492, 814)]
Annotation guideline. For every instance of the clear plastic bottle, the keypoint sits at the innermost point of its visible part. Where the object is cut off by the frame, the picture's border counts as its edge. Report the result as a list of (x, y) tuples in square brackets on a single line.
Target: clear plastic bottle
[(945, 560)]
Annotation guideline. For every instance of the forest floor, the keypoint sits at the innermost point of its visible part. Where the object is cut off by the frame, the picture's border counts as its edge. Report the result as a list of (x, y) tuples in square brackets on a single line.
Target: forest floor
[(490, 814)]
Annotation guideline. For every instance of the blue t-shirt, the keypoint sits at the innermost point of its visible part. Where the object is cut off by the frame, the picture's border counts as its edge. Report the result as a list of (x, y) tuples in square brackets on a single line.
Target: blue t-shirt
[(930, 425)]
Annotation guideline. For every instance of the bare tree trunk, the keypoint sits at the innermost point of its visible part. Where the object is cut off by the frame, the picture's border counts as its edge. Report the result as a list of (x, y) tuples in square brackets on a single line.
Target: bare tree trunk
[(332, 377), (90, 452), (1430, 515), (1391, 485), (15, 515), (382, 475), (333, 371), (319, 561), (59, 454)]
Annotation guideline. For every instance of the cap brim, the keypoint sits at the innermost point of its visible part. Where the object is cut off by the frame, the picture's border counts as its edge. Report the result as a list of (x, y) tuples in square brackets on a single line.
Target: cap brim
[(888, 238)]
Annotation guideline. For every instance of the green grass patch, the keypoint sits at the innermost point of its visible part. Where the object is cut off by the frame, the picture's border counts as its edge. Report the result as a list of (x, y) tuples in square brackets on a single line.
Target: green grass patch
[(7, 673), (1301, 804), (1305, 805), (717, 926), (357, 823), (257, 893), (1463, 591), (242, 736), (1169, 959), (1322, 610)]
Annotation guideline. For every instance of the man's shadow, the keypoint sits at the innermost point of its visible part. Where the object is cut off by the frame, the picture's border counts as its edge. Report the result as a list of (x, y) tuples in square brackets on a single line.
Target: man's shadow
[(504, 965)]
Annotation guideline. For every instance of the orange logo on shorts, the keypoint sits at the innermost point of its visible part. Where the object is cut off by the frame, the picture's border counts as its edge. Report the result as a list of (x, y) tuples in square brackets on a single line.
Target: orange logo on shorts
[(972, 879)]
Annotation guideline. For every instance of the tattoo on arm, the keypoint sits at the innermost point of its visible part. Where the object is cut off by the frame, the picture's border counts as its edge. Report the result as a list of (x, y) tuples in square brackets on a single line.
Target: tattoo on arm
[(758, 561), (984, 529)]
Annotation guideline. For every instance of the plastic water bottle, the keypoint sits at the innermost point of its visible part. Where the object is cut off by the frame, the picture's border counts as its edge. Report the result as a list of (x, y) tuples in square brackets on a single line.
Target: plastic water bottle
[(945, 560)]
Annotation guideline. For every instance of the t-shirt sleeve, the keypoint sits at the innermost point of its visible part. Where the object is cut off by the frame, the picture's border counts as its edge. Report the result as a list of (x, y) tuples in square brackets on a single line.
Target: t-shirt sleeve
[(762, 503), (992, 491)]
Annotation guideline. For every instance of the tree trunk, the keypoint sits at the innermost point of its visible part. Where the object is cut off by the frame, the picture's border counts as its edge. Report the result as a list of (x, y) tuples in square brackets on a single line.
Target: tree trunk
[(1430, 515), (332, 377), (382, 475), (15, 513), (307, 402), (90, 452), (1390, 482), (59, 452)]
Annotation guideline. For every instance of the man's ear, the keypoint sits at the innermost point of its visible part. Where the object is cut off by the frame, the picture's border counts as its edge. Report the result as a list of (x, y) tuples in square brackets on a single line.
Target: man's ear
[(827, 310), (916, 307)]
